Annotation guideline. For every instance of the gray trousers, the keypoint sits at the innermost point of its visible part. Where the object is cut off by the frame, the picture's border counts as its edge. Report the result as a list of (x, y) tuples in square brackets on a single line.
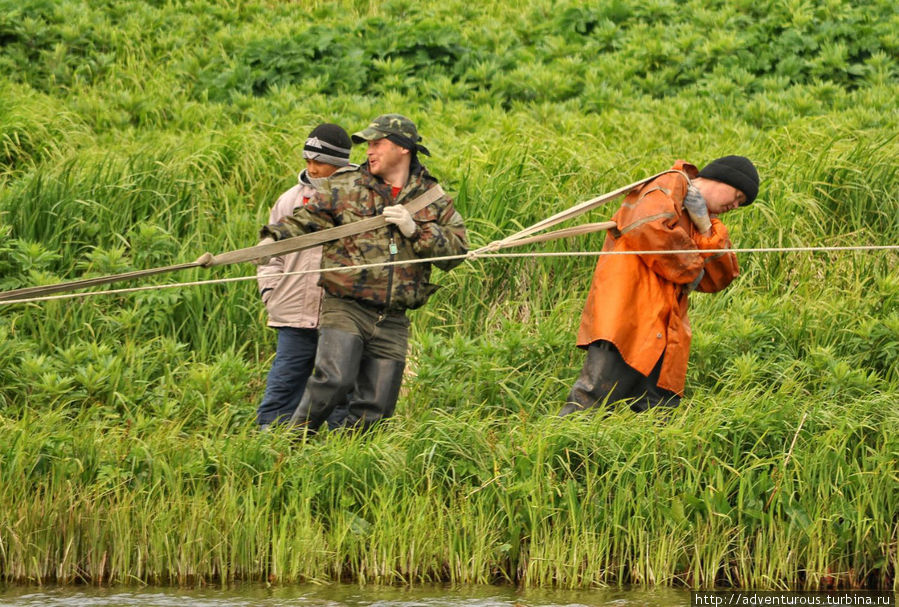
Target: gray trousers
[(360, 360)]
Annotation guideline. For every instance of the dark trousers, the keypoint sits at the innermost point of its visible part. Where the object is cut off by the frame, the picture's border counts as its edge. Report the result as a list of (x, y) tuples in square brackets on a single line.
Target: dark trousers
[(359, 348), (605, 378), (287, 378)]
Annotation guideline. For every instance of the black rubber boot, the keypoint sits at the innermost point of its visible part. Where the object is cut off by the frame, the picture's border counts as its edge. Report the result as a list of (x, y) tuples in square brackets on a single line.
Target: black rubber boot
[(604, 379), (657, 397), (336, 366), (376, 392)]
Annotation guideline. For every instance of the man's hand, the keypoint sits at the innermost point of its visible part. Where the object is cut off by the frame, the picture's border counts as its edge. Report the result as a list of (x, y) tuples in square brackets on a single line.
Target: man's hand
[(399, 216), (697, 209), (264, 260)]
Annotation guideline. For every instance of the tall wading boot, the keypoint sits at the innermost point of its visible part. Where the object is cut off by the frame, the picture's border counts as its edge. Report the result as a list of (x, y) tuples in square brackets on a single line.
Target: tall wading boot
[(376, 392), (604, 379), (336, 366)]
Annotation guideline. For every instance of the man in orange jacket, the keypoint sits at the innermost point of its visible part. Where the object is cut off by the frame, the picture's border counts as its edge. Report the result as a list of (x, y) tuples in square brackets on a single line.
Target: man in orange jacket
[(634, 326)]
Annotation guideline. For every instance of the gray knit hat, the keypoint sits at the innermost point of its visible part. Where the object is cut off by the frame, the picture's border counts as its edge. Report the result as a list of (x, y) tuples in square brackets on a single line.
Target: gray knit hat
[(736, 171), (328, 143)]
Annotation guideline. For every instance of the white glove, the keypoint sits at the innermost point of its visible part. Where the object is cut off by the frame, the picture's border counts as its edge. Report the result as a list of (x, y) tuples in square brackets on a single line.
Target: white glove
[(399, 216), (697, 209), (264, 260)]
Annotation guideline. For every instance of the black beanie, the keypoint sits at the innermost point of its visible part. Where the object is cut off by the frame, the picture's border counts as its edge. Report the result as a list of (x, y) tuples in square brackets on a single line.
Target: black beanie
[(736, 171), (328, 143)]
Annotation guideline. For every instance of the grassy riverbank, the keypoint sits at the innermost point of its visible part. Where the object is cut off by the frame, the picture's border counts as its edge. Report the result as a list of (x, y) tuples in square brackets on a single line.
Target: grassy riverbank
[(135, 135), (756, 490)]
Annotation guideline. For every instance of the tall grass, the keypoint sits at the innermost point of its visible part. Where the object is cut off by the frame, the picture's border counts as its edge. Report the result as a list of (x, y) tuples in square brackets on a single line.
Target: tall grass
[(138, 134), (755, 492)]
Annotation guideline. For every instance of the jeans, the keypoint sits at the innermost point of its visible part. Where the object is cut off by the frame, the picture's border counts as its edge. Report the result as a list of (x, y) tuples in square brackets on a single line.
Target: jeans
[(287, 378)]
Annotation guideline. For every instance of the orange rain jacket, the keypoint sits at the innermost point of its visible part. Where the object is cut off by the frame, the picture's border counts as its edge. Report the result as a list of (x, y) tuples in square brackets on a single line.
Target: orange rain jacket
[(639, 302)]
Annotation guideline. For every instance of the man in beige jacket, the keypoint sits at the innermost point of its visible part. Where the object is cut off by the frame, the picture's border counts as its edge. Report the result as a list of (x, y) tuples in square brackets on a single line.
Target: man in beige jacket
[(293, 301)]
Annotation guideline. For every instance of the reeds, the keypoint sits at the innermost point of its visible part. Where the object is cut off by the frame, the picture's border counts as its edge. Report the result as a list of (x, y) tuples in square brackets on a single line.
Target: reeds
[(750, 492)]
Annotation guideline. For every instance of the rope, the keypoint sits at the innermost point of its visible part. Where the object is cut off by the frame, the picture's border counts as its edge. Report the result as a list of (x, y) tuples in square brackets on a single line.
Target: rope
[(473, 255), (290, 245)]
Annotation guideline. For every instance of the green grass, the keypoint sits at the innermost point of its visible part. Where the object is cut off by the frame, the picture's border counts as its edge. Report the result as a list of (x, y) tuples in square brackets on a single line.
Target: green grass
[(141, 134), (720, 495)]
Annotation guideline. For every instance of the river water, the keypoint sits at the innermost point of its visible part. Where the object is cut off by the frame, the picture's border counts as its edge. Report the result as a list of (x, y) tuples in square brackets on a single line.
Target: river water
[(335, 595)]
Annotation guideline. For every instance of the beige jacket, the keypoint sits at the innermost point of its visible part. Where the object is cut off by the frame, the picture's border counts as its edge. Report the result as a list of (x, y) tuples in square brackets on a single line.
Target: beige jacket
[(294, 300)]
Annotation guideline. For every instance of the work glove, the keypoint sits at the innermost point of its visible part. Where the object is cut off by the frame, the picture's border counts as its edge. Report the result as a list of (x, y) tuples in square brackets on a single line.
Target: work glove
[(697, 209), (264, 260), (399, 216)]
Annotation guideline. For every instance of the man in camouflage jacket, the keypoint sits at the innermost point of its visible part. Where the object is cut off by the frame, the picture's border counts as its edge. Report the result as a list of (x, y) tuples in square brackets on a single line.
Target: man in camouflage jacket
[(364, 331)]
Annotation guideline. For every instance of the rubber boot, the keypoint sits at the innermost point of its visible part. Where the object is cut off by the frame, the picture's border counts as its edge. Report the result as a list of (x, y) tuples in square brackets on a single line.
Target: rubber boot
[(653, 396), (657, 397), (376, 392), (335, 419), (605, 378), (336, 366)]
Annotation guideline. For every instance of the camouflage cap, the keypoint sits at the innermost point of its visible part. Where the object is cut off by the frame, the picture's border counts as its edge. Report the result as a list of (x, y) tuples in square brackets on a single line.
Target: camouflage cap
[(395, 127)]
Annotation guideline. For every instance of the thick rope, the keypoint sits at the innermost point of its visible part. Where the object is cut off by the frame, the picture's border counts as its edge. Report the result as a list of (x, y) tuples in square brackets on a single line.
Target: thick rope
[(37, 293), (587, 228), (314, 239), (467, 256), (27, 292)]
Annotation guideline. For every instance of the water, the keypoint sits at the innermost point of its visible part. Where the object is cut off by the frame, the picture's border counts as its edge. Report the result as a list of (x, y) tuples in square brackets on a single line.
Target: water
[(337, 595)]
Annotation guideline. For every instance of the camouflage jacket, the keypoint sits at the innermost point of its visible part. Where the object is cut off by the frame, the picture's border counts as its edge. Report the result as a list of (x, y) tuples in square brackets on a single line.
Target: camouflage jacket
[(356, 195)]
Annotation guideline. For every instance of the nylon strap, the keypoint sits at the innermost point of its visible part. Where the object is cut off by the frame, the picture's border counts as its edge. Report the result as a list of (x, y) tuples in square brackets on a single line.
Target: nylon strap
[(568, 213), (206, 260), (306, 241), (587, 228)]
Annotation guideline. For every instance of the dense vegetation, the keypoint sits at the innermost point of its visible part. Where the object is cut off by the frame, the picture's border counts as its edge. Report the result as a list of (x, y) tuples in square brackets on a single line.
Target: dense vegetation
[(135, 134)]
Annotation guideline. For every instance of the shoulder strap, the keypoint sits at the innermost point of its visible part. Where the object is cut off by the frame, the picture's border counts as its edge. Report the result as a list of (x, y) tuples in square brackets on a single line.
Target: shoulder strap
[(313, 239), (288, 245)]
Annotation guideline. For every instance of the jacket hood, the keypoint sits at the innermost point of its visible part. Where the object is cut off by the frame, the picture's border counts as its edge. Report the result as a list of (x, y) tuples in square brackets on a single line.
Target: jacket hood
[(320, 182)]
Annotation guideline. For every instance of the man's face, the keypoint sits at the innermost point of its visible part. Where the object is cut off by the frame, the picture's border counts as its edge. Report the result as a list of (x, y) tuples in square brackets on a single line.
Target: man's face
[(721, 197), (383, 155), (318, 169)]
